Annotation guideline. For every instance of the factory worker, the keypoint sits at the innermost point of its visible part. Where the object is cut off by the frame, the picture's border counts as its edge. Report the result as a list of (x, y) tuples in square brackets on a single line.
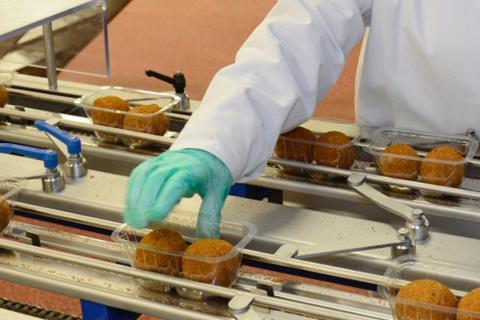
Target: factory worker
[(420, 69)]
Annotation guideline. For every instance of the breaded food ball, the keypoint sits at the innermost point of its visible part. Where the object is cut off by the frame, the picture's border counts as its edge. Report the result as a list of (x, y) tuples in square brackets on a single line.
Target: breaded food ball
[(469, 303), (425, 292), (110, 119), (397, 161), (157, 260), (199, 263), (444, 174), (334, 150), (3, 96), (6, 213), (157, 124), (296, 145)]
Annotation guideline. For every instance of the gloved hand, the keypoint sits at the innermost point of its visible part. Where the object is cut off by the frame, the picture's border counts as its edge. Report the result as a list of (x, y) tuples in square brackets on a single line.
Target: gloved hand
[(158, 184)]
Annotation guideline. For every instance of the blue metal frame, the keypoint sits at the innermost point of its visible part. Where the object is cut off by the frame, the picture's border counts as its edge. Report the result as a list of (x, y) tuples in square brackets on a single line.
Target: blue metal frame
[(95, 311), (256, 193)]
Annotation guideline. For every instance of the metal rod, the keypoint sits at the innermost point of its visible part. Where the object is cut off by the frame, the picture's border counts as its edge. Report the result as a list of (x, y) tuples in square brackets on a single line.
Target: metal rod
[(316, 267), (357, 181), (380, 179), (50, 56), (67, 216)]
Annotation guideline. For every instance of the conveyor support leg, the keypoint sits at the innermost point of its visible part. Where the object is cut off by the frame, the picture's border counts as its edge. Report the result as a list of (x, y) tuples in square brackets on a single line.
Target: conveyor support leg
[(95, 311)]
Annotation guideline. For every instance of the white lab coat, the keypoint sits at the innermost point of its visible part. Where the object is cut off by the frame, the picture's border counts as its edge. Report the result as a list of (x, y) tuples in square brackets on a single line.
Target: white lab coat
[(421, 70)]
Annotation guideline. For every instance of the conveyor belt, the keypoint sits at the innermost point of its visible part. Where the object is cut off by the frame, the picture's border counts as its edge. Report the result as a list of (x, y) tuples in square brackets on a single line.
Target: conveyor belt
[(35, 311)]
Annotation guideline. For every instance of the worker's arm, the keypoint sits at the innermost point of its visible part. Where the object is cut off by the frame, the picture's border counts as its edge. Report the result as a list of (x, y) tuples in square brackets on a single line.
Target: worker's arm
[(280, 74)]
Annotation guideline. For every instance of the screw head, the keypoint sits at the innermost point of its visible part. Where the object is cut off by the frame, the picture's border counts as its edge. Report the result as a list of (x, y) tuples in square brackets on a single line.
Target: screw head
[(404, 233), (417, 213)]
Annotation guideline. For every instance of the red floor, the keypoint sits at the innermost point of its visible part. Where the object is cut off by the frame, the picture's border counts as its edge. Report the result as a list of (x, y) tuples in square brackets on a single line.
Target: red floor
[(198, 37)]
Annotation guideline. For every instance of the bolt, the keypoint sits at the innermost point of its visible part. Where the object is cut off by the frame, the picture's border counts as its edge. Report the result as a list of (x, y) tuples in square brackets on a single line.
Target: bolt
[(417, 214), (404, 234)]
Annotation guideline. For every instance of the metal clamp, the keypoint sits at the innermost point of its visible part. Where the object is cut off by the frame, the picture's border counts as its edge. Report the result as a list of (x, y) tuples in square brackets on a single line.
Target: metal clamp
[(240, 307), (76, 166), (53, 180), (416, 221), (472, 133), (179, 83), (405, 247)]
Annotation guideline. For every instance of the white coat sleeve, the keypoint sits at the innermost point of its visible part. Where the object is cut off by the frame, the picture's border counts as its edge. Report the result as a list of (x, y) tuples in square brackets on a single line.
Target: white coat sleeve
[(280, 74)]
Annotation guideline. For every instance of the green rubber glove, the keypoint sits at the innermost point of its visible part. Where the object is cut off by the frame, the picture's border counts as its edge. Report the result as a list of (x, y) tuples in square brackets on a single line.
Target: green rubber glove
[(158, 184)]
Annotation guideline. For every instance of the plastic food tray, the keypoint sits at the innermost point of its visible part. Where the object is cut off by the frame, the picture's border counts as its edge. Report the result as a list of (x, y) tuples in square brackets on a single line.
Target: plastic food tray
[(314, 152), (459, 278), (116, 118), (9, 189), (237, 233), (422, 143)]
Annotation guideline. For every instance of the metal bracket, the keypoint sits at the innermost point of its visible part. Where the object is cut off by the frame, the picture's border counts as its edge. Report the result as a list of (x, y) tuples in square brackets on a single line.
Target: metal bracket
[(75, 165), (417, 223), (240, 307), (400, 245), (405, 248)]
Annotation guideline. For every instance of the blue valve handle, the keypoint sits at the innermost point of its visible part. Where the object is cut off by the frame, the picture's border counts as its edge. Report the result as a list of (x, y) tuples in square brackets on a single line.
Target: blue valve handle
[(49, 157), (73, 144)]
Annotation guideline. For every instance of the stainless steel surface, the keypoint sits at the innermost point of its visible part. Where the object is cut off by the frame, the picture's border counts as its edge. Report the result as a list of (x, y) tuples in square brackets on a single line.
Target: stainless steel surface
[(240, 306), (406, 247), (415, 218), (54, 181), (358, 182), (184, 103), (50, 56), (75, 167)]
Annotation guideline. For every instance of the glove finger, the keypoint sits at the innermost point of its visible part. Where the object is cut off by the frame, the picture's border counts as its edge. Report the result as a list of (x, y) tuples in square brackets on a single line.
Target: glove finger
[(143, 189), (137, 179), (173, 190), (208, 224)]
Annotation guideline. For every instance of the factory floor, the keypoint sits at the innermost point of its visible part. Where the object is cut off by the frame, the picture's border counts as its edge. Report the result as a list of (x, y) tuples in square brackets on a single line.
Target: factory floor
[(198, 37)]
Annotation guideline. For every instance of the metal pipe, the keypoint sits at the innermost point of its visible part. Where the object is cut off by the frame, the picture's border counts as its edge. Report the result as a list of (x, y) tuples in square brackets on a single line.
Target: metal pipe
[(50, 56)]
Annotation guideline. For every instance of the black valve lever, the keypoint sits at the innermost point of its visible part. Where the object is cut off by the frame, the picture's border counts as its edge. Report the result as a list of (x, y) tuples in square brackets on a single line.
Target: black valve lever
[(178, 80)]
